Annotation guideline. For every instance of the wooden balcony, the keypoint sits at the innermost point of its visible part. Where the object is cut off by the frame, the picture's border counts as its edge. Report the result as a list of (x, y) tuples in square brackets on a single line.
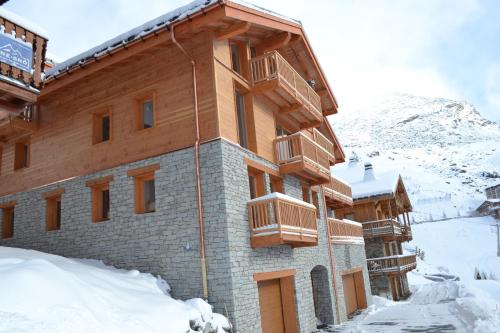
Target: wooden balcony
[(389, 229), (325, 143), (275, 78), (17, 125), (392, 265), (300, 155), (22, 56), (279, 219), (337, 193), (345, 231)]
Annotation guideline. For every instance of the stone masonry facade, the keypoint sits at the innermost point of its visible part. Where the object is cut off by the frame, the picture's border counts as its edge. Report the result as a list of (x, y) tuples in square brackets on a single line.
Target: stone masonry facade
[(166, 241)]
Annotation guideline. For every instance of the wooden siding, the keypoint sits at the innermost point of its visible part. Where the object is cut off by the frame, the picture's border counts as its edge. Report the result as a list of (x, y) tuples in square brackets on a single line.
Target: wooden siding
[(62, 148)]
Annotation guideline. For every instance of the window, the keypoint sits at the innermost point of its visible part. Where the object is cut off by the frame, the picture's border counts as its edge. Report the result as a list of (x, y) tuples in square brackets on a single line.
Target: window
[(235, 58), (8, 219), (53, 209), (241, 119), (315, 202), (21, 154), (276, 184), (349, 217), (256, 182), (305, 193), (280, 131), (145, 114), (100, 198), (144, 188), (102, 127)]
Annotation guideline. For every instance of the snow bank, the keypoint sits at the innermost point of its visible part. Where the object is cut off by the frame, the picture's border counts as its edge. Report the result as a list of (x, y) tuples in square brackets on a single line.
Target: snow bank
[(48, 293)]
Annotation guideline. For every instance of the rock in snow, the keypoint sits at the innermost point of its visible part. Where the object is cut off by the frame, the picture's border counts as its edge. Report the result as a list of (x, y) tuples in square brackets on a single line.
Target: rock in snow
[(48, 293)]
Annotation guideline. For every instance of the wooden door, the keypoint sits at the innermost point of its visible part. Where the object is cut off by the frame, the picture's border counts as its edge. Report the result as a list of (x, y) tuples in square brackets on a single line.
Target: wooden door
[(271, 306), (350, 293)]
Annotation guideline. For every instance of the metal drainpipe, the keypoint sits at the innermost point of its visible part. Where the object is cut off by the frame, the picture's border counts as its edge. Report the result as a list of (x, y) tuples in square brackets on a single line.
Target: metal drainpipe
[(197, 165), (332, 265)]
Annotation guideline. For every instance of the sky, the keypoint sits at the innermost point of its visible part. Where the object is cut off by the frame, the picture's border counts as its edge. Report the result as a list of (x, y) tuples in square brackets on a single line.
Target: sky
[(367, 48)]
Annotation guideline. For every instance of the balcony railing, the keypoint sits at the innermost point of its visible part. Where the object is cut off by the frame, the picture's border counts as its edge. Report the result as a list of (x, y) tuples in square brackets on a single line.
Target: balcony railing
[(345, 231), (393, 264), (382, 228), (337, 193), (274, 76), (27, 77), (300, 155), (280, 219)]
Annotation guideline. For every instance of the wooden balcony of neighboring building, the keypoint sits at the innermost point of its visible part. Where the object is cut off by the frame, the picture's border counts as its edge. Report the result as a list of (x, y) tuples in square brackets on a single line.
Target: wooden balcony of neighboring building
[(302, 156), (21, 64), (388, 229), (345, 231), (392, 265), (337, 193), (280, 219), (275, 78)]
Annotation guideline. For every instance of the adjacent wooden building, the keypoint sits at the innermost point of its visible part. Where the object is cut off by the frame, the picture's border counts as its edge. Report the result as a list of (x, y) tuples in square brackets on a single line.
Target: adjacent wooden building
[(382, 206)]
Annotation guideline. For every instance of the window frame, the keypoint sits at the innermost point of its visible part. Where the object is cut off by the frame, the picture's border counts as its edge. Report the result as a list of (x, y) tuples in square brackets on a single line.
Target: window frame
[(98, 187), (53, 209), (256, 182), (276, 184), (8, 216), (241, 124), (139, 110), (26, 155), (142, 175), (97, 118)]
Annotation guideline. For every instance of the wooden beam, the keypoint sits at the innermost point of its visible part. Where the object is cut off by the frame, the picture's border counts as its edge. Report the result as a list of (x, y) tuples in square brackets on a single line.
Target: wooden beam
[(10, 107), (19, 123), (233, 30), (273, 42), (291, 108), (18, 92), (273, 275)]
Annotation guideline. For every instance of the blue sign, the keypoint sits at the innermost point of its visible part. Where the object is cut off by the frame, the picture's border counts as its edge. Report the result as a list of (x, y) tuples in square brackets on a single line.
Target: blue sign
[(16, 53)]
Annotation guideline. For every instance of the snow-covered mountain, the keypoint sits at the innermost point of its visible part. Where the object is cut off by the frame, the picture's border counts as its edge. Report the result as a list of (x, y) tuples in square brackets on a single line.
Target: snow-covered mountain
[(446, 152)]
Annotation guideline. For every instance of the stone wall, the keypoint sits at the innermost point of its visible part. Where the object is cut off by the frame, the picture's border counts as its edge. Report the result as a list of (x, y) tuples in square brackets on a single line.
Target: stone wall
[(166, 242), (246, 261)]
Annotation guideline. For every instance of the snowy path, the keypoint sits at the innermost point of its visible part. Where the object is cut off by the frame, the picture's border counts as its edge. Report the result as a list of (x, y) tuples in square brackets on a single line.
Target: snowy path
[(466, 305), (434, 307)]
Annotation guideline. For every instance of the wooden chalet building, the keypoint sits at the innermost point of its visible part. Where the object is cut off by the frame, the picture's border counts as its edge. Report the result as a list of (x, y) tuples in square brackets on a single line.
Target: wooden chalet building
[(196, 147), (382, 206), (491, 206)]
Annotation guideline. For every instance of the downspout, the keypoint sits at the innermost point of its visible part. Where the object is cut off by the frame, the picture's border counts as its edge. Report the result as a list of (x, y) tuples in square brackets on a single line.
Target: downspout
[(197, 165), (330, 253)]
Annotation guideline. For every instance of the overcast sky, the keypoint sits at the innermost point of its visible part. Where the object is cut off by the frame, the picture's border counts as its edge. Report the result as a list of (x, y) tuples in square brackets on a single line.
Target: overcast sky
[(442, 48)]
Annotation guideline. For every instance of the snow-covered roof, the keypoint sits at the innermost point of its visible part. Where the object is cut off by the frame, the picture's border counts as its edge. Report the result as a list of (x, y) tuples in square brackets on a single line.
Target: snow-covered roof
[(278, 195), (383, 183), (147, 28), (22, 22)]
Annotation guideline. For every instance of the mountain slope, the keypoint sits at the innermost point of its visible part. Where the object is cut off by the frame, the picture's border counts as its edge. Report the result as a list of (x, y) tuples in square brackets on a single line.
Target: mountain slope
[(446, 152)]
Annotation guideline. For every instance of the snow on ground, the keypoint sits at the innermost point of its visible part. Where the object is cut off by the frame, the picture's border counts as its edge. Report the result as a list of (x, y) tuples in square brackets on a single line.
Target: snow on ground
[(453, 248), (41, 292)]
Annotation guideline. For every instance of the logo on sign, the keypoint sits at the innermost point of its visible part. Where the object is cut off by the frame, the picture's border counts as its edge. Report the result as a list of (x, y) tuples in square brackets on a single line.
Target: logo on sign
[(15, 53)]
